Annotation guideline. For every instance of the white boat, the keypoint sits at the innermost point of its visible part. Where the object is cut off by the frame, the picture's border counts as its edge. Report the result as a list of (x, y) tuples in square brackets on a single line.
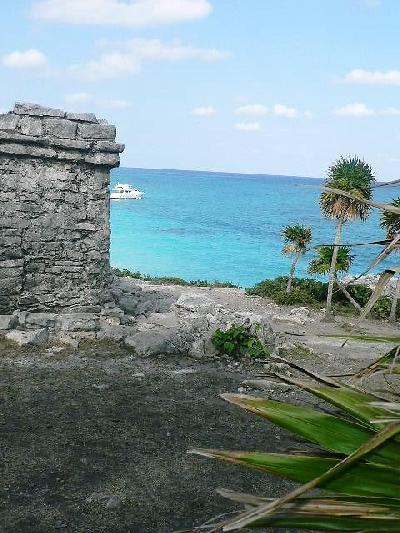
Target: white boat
[(123, 191)]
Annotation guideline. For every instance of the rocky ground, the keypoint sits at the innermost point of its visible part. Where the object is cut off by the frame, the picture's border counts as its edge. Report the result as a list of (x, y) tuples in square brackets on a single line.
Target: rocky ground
[(94, 437)]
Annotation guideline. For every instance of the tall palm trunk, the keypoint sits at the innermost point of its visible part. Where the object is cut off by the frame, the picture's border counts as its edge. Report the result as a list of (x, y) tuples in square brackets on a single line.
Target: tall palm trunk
[(332, 271), (395, 298), (292, 271)]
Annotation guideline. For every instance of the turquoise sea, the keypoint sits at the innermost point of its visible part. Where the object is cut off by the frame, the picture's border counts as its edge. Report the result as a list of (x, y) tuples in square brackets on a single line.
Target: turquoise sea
[(217, 226)]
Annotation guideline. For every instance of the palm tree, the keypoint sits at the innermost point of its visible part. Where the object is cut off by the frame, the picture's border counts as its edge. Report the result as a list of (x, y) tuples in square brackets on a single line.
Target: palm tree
[(391, 223), (297, 238), (322, 265), (353, 176)]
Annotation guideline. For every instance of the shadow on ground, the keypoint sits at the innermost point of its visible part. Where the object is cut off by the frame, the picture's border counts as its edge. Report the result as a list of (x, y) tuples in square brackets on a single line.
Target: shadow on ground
[(96, 441)]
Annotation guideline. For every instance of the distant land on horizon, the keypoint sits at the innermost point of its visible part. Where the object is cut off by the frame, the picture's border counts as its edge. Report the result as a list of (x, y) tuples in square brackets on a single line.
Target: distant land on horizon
[(257, 174)]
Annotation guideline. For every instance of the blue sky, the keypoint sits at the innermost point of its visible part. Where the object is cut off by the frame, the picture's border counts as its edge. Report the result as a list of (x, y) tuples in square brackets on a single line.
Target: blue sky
[(259, 86)]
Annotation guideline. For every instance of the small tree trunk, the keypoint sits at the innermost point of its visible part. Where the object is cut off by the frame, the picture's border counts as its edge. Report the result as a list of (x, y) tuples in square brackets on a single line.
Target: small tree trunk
[(332, 272), (347, 294), (291, 273), (383, 280), (392, 317)]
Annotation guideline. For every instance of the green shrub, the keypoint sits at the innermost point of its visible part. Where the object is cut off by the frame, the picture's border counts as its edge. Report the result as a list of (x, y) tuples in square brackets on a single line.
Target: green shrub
[(382, 308), (238, 342), (304, 291), (170, 280), (296, 296), (125, 273), (313, 293)]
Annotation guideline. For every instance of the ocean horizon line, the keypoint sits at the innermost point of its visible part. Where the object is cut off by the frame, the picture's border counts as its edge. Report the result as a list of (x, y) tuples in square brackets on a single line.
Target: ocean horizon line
[(224, 173)]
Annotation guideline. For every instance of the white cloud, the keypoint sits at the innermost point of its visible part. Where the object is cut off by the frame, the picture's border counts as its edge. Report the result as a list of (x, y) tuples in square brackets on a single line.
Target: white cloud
[(252, 109), (118, 104), (354, 110), (281, 110), (206, 111), (377, 77), (248, 126), (78, 98), (127, 58), (25, 60), (391, 112), (361, 110), (373, 3), (131, 13)]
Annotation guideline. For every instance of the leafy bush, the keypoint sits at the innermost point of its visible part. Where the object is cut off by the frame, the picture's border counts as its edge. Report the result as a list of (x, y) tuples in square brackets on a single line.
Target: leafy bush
[(295, 297), (170, 280), (382, 308), (360, 293), (238, 342), (313, 293), (304, 291)]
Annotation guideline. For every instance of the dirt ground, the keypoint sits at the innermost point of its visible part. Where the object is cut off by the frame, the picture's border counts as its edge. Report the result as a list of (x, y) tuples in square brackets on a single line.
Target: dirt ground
[(95, 440)]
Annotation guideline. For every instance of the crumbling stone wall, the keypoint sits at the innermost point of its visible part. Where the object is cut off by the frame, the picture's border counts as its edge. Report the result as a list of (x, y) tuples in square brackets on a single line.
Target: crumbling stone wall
[(54, 209)]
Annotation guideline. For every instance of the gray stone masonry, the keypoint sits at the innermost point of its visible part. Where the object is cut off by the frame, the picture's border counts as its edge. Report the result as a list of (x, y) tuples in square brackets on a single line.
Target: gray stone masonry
[(54, 210)]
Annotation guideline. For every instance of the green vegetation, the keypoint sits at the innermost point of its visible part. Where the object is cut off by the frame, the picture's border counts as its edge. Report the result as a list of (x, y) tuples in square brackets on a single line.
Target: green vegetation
[(322, 263), (304, 291), (355, 465), (365, 338), (297, 239), (163, 280), (353, 176), (390, 222), (311, 292), (239, 341)]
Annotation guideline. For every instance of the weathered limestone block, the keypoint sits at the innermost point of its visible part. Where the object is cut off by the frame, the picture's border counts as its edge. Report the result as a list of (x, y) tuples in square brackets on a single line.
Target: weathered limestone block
[(77, 322), (61, 127), (40, 320), (7, 322), (96, 131), (23, 338), (8, 121), (23, 108), (31, 126), (82, 117), (54, 208)]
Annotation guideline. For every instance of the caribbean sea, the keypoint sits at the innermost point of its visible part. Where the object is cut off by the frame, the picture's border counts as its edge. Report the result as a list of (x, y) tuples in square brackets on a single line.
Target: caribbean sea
[(226, 227)]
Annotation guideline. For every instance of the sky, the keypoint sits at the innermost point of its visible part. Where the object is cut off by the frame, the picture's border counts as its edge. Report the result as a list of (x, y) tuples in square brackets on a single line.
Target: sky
[(248, 86)]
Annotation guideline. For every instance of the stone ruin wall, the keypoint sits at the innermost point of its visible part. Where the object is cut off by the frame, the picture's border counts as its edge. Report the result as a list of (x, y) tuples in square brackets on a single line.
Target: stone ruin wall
[(54, 209)]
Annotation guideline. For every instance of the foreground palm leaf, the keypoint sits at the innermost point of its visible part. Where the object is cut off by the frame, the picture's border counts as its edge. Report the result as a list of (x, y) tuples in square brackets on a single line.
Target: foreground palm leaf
[(329, 514), (387, 363), (360, 480), (330, 432), (358, 461)]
